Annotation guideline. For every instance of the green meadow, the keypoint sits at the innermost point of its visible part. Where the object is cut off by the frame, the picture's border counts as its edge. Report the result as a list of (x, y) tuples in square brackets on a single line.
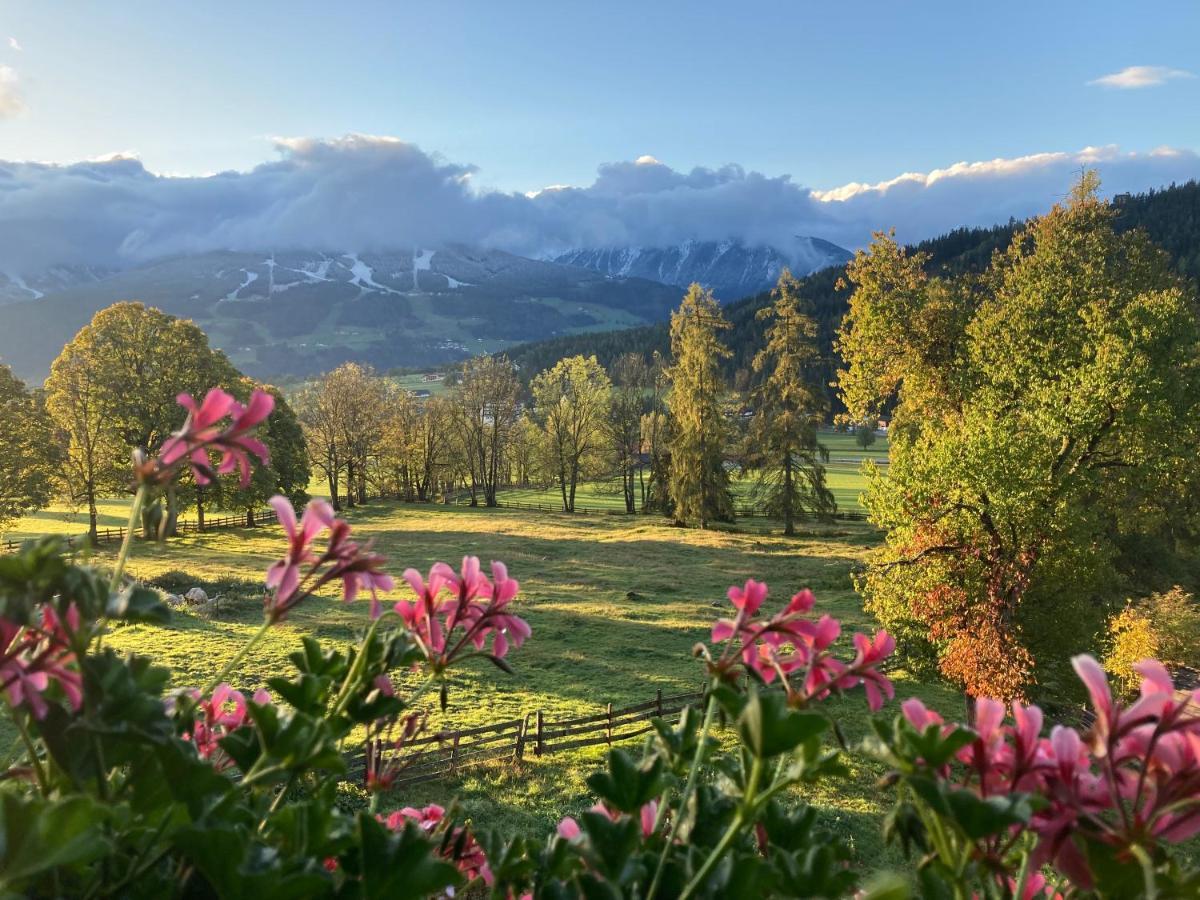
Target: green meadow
[(616, 605)]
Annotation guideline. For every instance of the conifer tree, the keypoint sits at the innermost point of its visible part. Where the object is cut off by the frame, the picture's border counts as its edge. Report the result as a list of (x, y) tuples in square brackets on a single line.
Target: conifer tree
[(699, 484), (782, 441)]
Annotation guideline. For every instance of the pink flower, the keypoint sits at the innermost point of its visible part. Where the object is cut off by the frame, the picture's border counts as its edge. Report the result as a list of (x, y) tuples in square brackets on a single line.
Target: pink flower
[(748, 598), (789, 643), (284, 576), (203, 432), (34, 658), (303, 571), (568, 828), (456, 610), (219, 715), (458, 846)]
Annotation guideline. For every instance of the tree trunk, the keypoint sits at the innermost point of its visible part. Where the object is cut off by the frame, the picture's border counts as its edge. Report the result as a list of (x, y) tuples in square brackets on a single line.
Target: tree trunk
[(250, 517), (170, 524), (92, 516), (789, 527)]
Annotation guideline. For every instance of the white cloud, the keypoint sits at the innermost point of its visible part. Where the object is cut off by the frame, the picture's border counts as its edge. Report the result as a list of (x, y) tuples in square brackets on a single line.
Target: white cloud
[(11, 103), (1140, 77), (14, 44), (364, 193)]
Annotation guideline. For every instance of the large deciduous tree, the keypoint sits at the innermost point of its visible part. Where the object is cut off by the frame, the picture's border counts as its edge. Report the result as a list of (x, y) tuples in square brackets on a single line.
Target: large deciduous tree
[(117, 381), (699, 482), (1044, 421), (571, 404), (781, 443)]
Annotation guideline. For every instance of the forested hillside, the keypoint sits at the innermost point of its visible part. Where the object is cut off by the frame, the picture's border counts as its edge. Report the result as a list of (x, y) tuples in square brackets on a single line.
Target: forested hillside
[(1170, 216)]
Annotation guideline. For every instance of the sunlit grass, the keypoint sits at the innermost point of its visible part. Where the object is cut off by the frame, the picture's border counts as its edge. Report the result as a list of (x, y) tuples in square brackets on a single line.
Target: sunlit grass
[(616, 605)]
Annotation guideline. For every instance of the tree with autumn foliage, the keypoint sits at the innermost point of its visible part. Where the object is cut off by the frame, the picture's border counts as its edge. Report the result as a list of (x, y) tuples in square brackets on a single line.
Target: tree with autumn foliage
[(1042, 421)]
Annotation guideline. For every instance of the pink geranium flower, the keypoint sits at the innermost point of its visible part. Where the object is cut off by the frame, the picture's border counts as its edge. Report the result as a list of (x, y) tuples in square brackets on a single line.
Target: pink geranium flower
[(205, 431), (791, 647), (453, 611), (303, 571)]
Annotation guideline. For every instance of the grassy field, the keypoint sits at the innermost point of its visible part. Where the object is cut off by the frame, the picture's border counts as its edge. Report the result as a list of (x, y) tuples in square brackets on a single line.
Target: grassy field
[(615, 605), (843, 474)]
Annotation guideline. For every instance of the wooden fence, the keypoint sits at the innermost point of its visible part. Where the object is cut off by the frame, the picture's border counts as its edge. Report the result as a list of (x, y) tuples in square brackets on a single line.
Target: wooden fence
[(744, 513), (447, 753), (183, 526)]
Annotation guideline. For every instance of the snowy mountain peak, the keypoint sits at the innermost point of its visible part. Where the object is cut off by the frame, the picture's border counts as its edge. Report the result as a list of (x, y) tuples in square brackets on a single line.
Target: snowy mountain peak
[(730, 268)]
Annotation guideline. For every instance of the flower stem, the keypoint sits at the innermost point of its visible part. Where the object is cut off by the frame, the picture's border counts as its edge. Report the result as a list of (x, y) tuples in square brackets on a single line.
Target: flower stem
[(238, 657), (139, 500), (32, 751), (709, 714), (745, 811)]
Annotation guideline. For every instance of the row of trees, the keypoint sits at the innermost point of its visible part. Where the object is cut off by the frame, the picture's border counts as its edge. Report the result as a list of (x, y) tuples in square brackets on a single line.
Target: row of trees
[(113, 389), (669, 431)]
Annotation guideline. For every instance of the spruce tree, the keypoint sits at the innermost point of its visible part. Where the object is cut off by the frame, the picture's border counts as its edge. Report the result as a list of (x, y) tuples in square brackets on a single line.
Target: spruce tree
[(699, 484), (782, 439)]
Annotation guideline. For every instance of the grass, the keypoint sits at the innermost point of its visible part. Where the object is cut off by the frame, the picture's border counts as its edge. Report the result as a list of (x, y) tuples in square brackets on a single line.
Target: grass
[(615, 605)]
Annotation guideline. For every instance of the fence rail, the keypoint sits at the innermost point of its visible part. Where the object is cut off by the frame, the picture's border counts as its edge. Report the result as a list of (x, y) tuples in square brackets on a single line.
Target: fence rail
[(258, 519), (446, 753), (745, 512)]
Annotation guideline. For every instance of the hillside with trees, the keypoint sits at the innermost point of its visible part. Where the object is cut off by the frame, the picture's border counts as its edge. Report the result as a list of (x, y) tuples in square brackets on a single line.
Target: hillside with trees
[(1170, 217)]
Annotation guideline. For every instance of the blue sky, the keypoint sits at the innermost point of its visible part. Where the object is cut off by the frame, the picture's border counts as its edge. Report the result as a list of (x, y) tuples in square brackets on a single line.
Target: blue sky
[(542, 93), (360, 125)]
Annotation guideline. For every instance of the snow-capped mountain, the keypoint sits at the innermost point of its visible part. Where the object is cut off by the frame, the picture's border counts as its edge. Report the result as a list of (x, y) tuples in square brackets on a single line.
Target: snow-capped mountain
[(730, 268), (15, 288), (299, 312)]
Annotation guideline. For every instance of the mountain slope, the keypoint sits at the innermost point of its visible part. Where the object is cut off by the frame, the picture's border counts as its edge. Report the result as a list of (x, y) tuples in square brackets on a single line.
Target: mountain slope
[(296, 313), (1171, 218), (731, 269)]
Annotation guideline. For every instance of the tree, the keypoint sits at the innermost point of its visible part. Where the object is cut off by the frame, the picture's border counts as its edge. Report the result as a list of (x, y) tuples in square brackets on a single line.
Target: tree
[(486, 403), (654, 478), (782, 441), (1044, 421), (28, 453), (342, 415), (864, 434), (125, 369), (289, 471), (631, 381), (91, 461), (699, 483), (571, 403)]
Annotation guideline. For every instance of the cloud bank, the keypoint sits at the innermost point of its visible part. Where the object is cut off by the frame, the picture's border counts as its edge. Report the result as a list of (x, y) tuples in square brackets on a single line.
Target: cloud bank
[(1132, 77), (363, 193)]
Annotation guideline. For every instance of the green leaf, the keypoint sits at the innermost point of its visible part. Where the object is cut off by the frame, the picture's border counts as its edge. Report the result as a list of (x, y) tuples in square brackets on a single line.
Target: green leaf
[(768, 727), (399, 865), (980, 818), (627, 786), (138, 604), (37, 836)]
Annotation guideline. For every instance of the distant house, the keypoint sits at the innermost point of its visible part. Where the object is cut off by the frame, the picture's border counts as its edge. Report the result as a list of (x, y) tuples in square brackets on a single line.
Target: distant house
[(433, 376)]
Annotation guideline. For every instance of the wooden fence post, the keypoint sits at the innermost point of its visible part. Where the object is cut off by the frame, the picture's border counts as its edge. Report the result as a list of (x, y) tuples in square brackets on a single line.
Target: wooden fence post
[(658, 703), (454, 754), (608, 732), (539, 747)]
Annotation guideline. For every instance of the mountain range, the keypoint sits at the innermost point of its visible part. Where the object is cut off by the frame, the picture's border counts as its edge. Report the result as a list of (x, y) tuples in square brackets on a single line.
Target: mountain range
[(296, 313), (731, 269)]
